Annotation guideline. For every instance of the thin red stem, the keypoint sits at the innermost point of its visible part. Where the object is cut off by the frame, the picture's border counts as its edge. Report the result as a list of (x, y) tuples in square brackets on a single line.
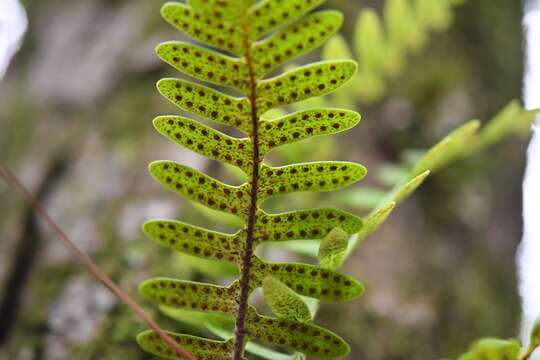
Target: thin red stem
[(87, 262), (240, 330)]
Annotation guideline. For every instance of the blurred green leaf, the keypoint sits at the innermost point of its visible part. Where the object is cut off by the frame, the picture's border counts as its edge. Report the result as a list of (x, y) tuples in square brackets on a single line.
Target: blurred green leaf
[(469, 138), (336, 48), (434, 15), (511, 120), (403, 30), (333, 249), (371, 86), (373, 221), (452, 147), (377, 217), (404, 191), (370, 48), (382, 46), (369, 41), (461, 142), (493, 349), (534, 339)]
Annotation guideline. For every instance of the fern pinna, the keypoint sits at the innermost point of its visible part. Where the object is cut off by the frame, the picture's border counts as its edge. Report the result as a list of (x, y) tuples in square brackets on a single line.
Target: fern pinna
[(255, 38)]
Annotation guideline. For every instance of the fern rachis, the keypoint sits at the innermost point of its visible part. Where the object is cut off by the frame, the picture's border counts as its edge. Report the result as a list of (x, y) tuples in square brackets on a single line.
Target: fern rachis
[(239, 332)]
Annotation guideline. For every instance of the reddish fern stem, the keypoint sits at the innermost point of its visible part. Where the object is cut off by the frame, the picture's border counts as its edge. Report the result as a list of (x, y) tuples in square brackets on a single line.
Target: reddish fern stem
[(87, 262), (240, 331)]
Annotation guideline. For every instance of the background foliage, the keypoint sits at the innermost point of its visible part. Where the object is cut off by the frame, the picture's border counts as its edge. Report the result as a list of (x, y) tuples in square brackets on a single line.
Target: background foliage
[(439, 274)]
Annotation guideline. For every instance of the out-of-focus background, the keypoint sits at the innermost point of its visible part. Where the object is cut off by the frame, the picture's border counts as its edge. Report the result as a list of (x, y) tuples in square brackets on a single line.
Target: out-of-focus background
[(76, 107)]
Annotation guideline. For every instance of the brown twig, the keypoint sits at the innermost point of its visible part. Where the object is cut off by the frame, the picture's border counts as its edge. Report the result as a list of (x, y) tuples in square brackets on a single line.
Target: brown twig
[(88, 264), (26, 252), (240, 331)]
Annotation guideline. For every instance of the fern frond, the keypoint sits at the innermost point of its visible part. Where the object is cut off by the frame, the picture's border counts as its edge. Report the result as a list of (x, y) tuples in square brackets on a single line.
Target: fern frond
[(464, 141), (382, 43), (247, 40)]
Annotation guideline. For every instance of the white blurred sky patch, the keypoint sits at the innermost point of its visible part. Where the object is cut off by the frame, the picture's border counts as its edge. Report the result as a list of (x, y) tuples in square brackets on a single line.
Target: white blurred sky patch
[(529, 253), (13, 24)]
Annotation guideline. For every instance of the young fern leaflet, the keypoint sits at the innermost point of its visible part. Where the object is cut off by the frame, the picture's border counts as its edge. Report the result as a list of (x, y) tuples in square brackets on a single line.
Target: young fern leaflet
[(253, 39)]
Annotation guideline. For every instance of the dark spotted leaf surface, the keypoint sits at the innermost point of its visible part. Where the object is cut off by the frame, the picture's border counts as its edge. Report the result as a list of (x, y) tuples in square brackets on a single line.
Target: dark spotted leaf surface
[(206, 141), (203, 349), (226, 9), (204, 26), (303, 83), (183, 294), (304, 224), (303, 125), (315, 176), (201, 188), (306, 338), (203, 101), (204, 64), (268, 15), (193, 240), (295, 40), (315, 281), (238, 43)]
